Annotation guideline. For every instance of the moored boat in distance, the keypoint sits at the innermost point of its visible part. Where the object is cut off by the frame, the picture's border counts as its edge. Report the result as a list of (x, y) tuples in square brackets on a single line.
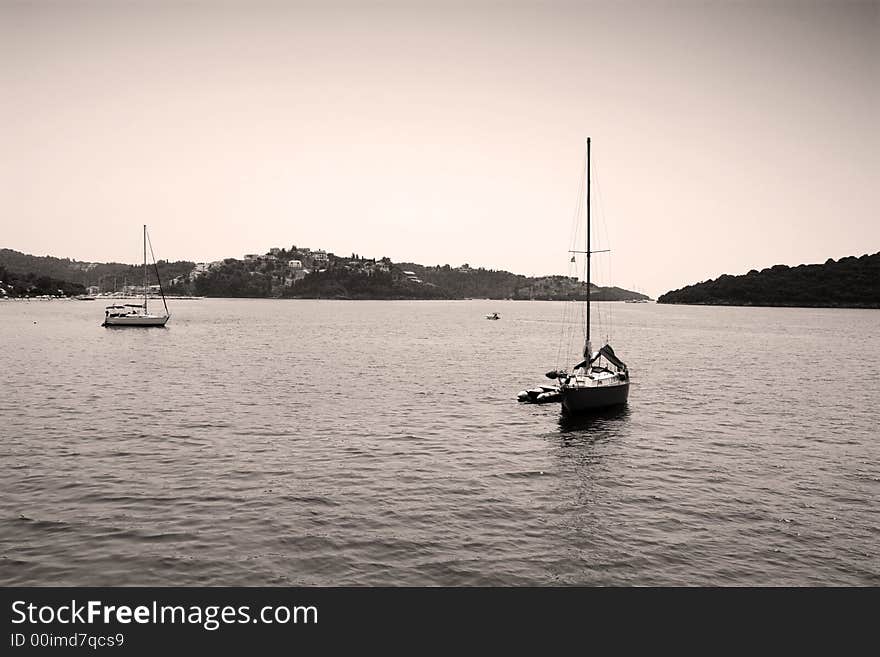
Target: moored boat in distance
[(132, 314), (136, 314)]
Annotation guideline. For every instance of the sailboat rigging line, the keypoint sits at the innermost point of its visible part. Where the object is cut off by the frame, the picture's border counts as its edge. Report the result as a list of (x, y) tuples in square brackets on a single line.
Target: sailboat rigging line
[(578, 206), (156, 266), (145, 268), (567, 328), (600, 202)]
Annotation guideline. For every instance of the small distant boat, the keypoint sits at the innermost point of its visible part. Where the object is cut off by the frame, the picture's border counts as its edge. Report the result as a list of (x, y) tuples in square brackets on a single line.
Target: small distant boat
[(493, 316), (83, 297), (136, 314)]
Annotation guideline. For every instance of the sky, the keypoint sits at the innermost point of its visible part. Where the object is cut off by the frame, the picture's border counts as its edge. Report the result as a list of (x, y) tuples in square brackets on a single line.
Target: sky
[(726, 136)]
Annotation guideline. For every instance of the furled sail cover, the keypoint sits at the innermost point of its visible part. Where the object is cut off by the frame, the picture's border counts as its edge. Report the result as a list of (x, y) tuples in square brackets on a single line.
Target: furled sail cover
[(611, 357)]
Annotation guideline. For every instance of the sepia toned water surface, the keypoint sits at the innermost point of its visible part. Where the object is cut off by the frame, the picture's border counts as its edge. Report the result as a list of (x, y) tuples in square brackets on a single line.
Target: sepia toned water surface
[(259, 442)]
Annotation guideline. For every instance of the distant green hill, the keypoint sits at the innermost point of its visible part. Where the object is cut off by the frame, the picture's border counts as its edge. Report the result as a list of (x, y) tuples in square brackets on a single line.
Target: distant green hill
[(106, 275), (478, 283), (13, 284), (846, 283), (272, 276)]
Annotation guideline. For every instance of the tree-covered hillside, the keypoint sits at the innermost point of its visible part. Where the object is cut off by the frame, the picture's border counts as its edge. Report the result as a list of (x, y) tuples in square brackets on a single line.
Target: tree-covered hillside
[(849, 282), (344, 284), (303, 273), (31, 285), (478, 283), (106, 275)]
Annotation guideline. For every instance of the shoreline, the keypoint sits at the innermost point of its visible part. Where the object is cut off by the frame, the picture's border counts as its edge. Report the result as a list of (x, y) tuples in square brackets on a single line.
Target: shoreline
[(187, 298), (874, 306)]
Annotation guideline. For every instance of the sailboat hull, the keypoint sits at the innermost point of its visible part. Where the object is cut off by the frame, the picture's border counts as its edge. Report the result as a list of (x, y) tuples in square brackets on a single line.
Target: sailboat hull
[(583, 400), (137, 320)]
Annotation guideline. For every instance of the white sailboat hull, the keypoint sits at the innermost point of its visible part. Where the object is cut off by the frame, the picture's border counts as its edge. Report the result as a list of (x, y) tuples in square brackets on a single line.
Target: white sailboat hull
[(137, 314), (137, 320)]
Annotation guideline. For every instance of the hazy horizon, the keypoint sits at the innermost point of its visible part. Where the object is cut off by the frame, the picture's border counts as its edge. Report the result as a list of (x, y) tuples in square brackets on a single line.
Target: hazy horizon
[(726, 136)]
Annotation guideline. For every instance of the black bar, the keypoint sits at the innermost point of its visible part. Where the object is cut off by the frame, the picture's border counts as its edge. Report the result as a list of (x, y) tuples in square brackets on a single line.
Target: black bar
[(423, 618)]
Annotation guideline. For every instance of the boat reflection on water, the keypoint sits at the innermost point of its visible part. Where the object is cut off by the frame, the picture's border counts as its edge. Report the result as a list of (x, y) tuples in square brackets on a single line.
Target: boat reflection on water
[(599, 422)]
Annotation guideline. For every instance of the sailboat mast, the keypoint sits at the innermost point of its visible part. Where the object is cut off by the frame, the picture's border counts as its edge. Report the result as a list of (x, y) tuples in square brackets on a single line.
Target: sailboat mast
[(145, 268), (588, 250)]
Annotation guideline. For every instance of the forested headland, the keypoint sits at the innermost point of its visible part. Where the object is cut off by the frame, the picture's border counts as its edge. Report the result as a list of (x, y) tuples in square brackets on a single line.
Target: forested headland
[(850, 282)]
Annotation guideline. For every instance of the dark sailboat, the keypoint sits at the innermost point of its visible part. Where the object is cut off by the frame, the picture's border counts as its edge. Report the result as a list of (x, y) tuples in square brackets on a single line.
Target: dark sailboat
[(601, 379)]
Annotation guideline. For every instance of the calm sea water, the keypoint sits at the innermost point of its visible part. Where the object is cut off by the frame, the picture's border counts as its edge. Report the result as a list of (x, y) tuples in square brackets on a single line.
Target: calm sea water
[(262, 442)]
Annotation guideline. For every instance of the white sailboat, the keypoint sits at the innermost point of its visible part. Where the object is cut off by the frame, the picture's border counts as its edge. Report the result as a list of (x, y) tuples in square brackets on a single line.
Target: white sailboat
[(135, 314), (601, 379)]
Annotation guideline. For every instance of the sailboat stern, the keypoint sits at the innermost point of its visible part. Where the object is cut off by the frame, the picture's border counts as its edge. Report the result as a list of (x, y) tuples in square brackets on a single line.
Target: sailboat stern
[(578, 399), (601, 380)]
